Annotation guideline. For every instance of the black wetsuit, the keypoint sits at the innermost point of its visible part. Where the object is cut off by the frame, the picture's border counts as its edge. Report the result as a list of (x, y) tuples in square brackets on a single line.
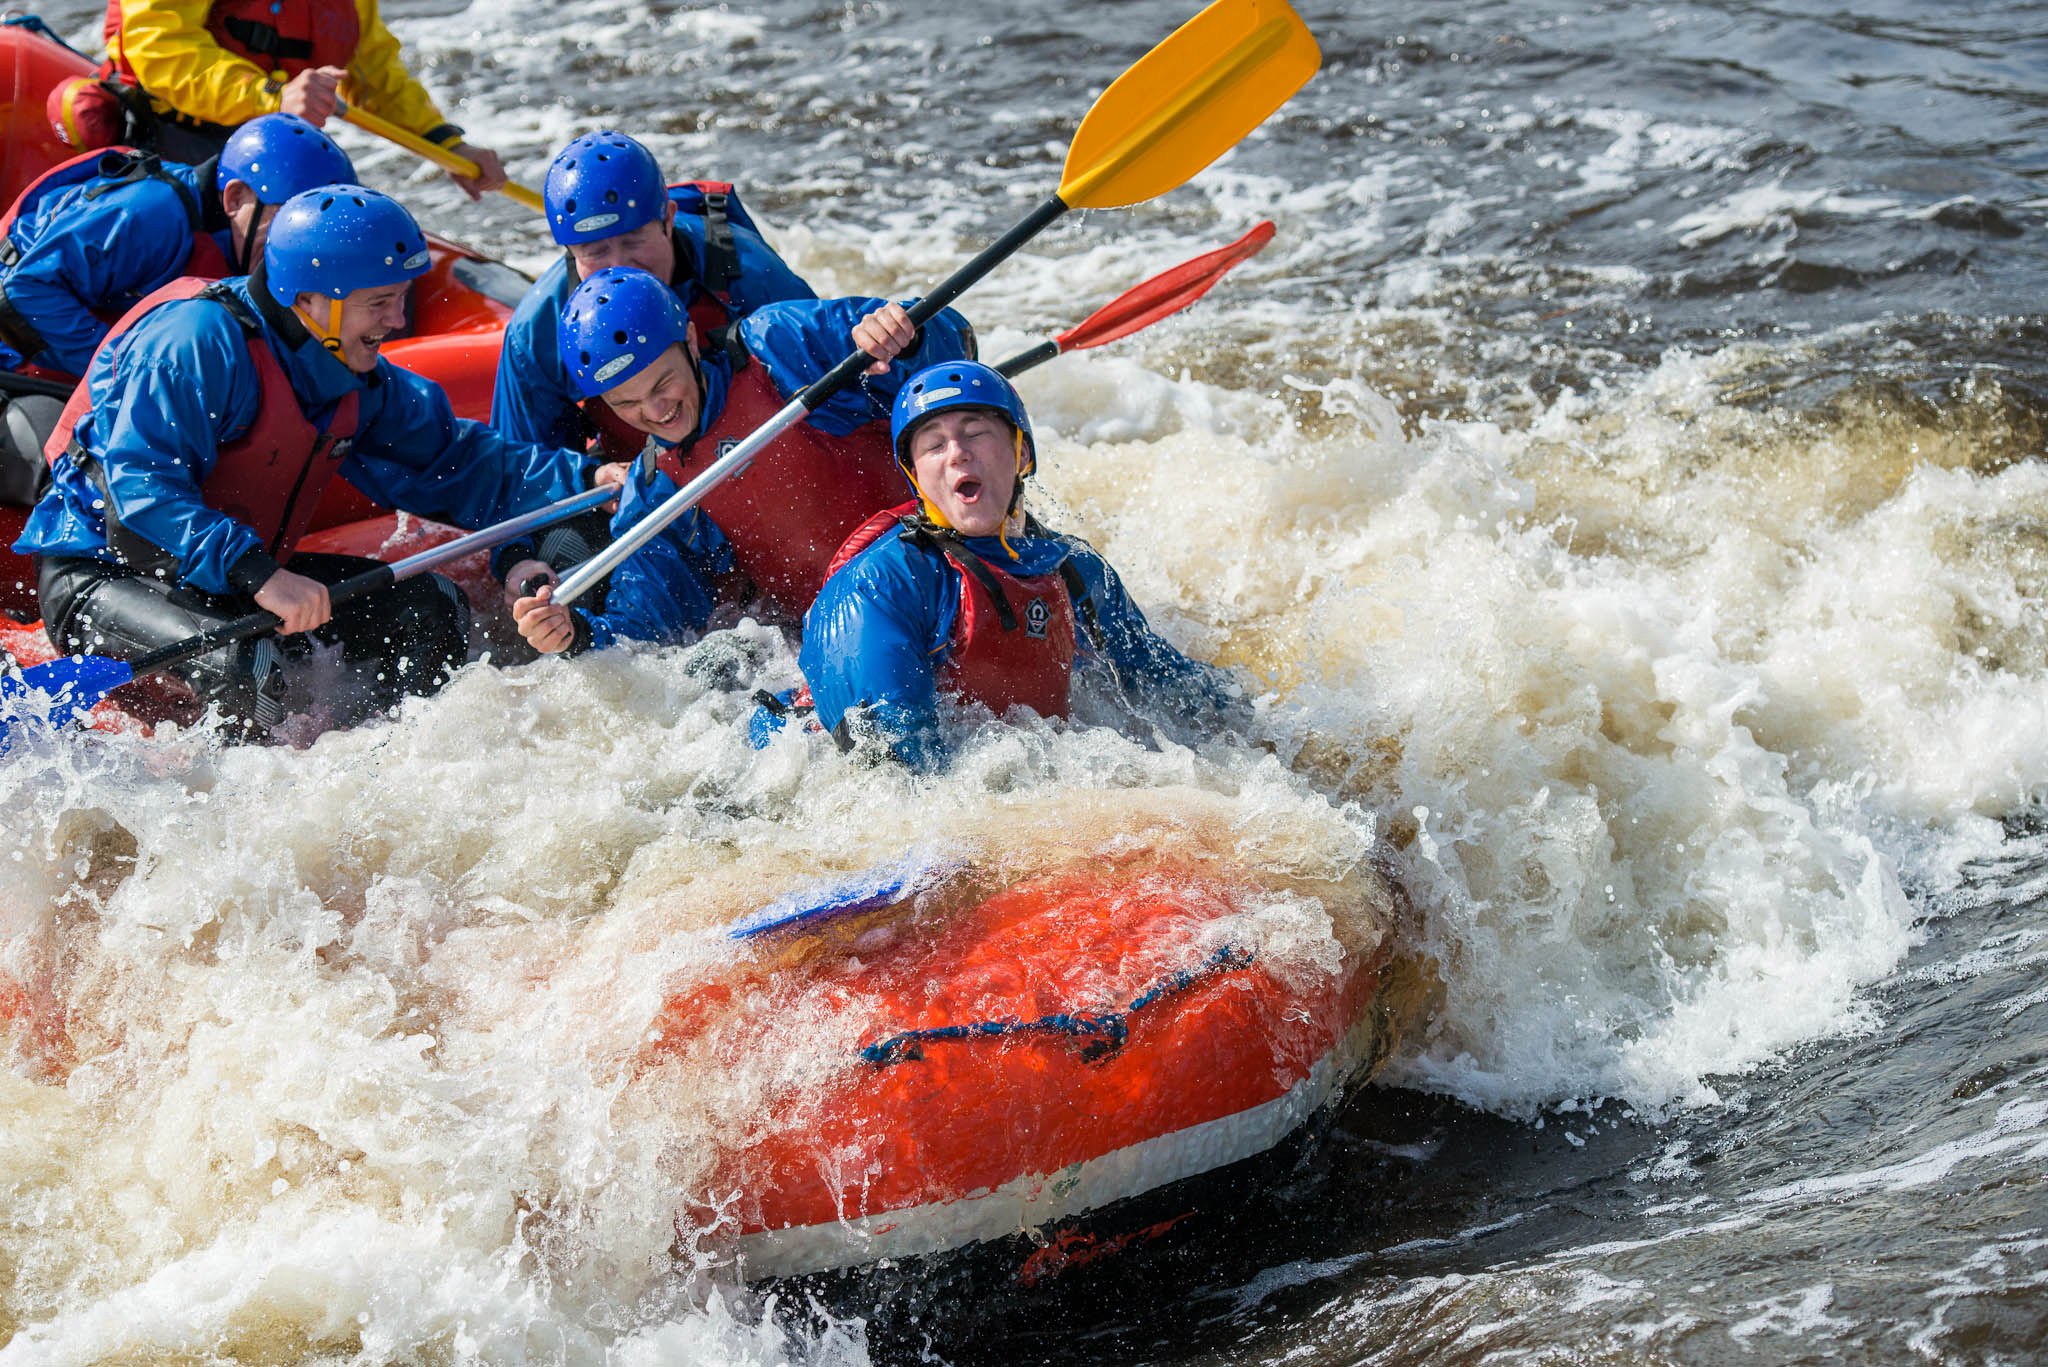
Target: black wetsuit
[(29, 409), (405, 639)]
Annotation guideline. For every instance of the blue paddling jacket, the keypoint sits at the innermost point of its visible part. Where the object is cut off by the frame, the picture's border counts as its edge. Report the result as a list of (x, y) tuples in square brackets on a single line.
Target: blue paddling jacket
[(884, 627), (535, 400), (180, 384), (87, 249)]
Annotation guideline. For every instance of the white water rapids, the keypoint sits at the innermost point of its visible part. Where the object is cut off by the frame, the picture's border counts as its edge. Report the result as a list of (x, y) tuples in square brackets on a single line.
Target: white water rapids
[(1655, 694)]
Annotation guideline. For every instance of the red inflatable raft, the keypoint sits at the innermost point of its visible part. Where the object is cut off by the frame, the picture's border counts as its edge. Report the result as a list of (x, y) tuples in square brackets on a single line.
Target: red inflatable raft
[(1064, 1044), (459, 308)]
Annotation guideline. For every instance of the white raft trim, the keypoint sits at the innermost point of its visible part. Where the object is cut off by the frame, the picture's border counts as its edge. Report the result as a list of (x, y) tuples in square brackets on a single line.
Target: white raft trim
[(1028, 1202)]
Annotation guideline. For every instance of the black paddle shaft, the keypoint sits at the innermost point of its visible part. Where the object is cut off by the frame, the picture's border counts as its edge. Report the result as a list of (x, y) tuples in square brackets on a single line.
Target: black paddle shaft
[(12, 383), (255, 624), (956, 284), (1025, 360)]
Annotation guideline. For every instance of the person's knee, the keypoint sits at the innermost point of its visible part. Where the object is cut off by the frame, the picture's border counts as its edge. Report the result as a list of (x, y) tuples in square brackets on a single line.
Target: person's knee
[(428, 637)]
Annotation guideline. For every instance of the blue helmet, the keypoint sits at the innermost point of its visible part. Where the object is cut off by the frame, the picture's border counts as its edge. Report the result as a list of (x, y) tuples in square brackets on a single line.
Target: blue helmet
[(616, 324), (341, 238), (278, 155), (601, 185), (957, 384)]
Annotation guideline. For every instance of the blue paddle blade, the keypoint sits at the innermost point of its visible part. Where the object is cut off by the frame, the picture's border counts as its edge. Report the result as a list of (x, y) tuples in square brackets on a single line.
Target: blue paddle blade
[(59, 692), (882, 886)]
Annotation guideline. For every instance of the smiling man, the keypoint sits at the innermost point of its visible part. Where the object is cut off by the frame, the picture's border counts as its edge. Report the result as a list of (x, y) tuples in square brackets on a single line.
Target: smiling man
[(92, 237), (960, 593), (189, 464), (631, 347)]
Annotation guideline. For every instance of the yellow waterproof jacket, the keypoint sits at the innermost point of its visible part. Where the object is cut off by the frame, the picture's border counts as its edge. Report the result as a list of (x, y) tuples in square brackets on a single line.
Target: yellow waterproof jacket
[(166, 46)]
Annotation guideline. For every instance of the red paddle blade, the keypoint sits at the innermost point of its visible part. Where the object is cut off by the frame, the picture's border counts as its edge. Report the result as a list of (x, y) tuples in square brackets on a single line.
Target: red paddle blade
[(1163, 295)]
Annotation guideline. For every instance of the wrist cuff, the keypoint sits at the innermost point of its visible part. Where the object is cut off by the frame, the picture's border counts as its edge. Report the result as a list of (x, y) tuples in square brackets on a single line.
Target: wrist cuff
[(580, 642), (252, 571)]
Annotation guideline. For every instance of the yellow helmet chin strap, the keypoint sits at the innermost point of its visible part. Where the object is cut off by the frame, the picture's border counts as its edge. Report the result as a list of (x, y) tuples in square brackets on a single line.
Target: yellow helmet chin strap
[(330, 335), (931, 509)]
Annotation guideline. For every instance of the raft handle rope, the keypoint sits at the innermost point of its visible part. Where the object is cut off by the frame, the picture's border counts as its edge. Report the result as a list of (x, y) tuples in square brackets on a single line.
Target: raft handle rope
[(34, 24), (1106, 1031)]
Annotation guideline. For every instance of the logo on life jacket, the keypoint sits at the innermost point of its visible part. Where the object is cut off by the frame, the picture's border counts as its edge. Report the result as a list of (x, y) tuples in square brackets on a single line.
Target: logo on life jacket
[(1036, 617)]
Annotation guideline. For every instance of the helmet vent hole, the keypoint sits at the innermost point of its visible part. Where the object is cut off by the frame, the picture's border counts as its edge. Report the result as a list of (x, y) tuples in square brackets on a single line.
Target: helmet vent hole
[(619, 337)]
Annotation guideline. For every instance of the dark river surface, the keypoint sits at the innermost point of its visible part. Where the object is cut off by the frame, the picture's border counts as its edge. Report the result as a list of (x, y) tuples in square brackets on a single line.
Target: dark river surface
[(1625, 474)]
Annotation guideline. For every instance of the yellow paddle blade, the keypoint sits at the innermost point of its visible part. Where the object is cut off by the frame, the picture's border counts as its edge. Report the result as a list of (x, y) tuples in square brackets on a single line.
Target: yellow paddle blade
[(1188, 101)]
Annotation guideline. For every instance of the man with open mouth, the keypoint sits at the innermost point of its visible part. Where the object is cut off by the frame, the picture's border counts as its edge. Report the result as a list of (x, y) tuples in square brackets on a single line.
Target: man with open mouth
[(961, 594)]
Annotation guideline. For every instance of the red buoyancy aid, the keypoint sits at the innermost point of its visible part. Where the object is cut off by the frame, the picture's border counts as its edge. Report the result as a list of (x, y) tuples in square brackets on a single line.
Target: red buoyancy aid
[(795, 502), (1012, 643), (278, 35), (271, 477)]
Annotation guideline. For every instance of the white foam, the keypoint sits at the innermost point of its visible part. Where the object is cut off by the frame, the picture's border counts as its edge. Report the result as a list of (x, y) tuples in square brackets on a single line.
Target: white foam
[(1797, 1313), (1641, 141), (1771, 208)]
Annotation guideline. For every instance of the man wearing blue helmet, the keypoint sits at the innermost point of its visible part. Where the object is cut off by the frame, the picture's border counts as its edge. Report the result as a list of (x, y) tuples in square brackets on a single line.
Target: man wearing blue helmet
[(608, 205), (959, 592), (190, 462), (629, 346), (86, 242), (627, 340)]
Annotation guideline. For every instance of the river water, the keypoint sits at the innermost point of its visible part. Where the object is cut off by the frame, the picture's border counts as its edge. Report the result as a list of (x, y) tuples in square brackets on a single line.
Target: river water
[(1623, 476)]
